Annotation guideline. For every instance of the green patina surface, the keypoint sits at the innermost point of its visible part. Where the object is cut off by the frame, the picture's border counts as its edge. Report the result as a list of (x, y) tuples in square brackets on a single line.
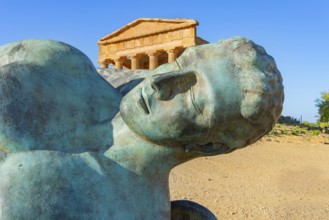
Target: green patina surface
[(73, 148)]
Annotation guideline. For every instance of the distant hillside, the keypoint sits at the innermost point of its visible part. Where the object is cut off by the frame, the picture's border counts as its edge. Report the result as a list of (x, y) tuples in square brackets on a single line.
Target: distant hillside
[(295, 134)]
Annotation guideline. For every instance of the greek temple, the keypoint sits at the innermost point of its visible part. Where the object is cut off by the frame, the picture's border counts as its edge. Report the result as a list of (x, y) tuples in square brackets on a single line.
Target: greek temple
[(147, 43)]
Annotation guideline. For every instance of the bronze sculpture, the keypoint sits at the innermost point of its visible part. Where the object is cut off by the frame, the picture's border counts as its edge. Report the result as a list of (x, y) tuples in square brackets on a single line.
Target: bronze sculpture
[(71, 150)]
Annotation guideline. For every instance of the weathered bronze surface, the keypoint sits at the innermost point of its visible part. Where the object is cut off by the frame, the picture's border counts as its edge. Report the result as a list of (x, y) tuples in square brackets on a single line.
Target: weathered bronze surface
[(73, 148)]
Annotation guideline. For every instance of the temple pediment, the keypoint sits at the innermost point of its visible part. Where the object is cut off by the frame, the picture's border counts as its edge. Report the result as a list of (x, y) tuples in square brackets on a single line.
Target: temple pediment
[(147, 26)]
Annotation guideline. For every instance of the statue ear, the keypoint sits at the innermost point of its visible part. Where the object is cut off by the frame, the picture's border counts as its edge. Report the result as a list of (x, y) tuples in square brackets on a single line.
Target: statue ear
[(208, 149)]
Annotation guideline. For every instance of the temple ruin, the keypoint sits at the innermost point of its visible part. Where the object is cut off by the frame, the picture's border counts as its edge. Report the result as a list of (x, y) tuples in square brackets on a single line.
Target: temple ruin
[(147, 43)]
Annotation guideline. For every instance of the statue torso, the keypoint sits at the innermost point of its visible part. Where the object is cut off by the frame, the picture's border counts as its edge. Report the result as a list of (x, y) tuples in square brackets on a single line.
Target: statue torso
[(54, 185)]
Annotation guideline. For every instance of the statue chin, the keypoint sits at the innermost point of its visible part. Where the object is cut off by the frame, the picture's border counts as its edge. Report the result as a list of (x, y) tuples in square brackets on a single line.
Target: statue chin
[(208, 149)]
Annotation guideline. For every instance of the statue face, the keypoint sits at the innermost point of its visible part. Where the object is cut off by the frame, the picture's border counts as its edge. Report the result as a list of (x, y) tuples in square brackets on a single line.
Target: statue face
[(229, 93), (165, 106), (176, 105)]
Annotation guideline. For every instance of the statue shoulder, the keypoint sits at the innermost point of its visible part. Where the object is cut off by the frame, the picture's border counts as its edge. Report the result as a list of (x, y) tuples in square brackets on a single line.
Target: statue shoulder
[(52, 98)]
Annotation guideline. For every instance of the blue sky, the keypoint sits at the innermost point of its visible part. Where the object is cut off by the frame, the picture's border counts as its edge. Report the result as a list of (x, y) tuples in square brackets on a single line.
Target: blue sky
[(295, 33)]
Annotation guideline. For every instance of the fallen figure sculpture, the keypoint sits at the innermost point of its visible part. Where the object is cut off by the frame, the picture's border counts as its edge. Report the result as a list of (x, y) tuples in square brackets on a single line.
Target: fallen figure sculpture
[(71, 147)]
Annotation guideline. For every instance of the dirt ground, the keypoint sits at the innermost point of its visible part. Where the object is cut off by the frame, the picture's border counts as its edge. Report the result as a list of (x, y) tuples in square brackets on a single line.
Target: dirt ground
[(267, 180)]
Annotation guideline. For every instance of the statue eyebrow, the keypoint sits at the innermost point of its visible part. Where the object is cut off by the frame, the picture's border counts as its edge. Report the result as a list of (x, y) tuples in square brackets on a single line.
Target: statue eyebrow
[(193, 101)]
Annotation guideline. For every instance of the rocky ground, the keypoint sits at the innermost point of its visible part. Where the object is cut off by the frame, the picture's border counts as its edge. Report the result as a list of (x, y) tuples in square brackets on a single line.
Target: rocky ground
[(276, 178)]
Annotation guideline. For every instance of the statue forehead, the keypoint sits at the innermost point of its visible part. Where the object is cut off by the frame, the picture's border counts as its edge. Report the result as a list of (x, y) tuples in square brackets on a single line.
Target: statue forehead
[(219, 52), (199, 56), (212, 62)]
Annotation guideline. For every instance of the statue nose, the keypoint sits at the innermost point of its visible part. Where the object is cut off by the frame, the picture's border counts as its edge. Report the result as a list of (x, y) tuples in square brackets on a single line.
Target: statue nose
[(162, 86), (168, 85)]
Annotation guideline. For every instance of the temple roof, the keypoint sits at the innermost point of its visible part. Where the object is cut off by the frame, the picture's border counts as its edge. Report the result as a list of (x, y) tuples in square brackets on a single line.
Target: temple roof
[(146, 26)]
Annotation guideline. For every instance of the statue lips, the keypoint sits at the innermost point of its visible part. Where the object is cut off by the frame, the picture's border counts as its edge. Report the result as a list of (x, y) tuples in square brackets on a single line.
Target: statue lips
[(143, 102)]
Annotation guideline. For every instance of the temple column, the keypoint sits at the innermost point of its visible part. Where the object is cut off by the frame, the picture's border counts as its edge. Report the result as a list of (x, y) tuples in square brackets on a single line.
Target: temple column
[(118, 63), (172, 55), (134, 62), (153, 60)]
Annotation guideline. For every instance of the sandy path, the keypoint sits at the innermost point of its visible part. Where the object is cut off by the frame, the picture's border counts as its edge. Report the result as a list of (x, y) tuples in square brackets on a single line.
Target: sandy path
[(264, 181)]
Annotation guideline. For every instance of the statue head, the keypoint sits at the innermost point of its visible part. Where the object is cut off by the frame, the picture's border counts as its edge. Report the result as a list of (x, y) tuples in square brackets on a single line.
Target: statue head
[(215, 98)]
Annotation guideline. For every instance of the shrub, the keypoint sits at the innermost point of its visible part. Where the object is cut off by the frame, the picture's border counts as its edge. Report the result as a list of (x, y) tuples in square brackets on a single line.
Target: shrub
[(309, 124), (296, 132), (316, 132), (324, 124), (284, 132)]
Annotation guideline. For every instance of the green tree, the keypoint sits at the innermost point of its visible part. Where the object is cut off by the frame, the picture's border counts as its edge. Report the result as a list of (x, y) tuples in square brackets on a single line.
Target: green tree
[(323, 107), (288, 120)]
